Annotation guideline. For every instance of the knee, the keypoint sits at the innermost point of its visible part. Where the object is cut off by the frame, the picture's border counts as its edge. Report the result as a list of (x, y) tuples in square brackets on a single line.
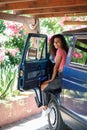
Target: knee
[(43, 86)]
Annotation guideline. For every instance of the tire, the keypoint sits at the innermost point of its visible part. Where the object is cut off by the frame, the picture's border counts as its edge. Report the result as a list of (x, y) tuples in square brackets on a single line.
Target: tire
[(54, 117)]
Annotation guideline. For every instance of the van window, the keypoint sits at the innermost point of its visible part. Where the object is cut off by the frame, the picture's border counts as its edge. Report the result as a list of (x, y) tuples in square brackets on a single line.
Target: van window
[(80, 53)]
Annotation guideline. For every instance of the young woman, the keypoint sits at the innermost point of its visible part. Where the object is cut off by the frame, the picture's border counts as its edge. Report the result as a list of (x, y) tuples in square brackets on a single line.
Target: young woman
[(58, 50)]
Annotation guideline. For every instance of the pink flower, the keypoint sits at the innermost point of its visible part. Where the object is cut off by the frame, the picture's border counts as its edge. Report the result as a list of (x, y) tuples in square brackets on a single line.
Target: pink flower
[(80, 55), (13, 51), (2, 54), (17, 50), (13, 29), (77, 55)]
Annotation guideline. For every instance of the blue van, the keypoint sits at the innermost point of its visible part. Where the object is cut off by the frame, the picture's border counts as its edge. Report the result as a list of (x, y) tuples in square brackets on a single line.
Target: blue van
[(69, 105)]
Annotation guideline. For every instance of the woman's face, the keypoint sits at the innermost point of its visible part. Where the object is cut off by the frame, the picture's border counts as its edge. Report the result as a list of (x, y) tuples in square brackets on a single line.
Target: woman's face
[(57, 43)]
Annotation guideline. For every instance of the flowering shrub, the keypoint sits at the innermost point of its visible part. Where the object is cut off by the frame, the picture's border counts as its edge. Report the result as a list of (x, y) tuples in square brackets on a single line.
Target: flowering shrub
[(12, 38), (12, 42)]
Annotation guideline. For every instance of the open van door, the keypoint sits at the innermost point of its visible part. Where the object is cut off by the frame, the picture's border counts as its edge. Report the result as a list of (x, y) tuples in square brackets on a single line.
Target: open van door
[(33, 69)]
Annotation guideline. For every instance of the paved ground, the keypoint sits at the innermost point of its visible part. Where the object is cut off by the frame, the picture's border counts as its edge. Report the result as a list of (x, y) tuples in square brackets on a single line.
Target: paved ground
[(31, 123), (35, 122)]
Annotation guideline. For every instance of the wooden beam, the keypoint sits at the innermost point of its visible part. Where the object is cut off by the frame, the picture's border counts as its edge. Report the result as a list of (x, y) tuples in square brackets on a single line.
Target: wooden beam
[(46, 8), (16, 18), (69, 9), (61, 15), (41, 4), (75, 22), (12, 1)]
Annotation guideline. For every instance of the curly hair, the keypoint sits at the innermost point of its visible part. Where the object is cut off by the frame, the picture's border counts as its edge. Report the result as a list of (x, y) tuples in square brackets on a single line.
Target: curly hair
[(52, 49)]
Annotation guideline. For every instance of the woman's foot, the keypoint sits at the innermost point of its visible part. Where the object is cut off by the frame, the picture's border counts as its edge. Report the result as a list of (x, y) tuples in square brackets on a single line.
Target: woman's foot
[(45, 108), (45, 111)]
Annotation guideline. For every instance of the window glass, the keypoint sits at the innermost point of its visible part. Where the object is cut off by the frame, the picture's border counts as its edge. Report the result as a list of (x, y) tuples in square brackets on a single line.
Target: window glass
[(36, 49), (80, 52)]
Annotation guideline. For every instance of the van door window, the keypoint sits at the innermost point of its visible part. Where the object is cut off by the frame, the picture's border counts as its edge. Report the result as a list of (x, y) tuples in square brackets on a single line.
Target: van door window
[(79, 58), (36, 49)]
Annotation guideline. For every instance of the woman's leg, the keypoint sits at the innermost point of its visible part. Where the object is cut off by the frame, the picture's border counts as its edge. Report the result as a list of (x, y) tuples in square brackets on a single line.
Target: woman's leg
[(45, 101), (51, 86), (44, 95)]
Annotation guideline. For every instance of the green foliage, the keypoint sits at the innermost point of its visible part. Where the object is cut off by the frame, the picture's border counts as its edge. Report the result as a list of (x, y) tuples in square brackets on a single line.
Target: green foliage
[(50, 25), (2, 26), (7, 80), (13, 47), (16, 42), (14, 60)]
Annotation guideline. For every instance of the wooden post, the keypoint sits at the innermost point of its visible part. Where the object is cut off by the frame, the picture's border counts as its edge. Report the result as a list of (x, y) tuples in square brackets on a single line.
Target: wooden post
[(32, 28)]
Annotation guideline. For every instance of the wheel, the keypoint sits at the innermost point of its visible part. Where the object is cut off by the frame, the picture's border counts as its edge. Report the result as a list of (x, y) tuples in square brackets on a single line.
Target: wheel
[(54, 117)]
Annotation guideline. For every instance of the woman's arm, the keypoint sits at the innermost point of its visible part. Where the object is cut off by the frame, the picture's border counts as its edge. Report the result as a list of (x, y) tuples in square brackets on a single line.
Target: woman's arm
[(55, 69)]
